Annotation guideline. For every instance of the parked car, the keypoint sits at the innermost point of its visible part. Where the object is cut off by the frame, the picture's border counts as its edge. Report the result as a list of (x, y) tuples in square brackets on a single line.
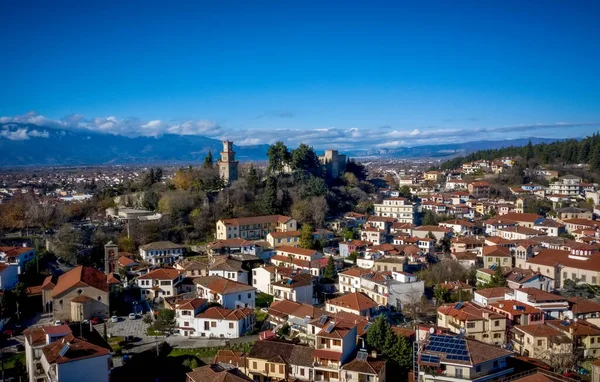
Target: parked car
[(96, 321), (114, 319), (58, 323), (8, 333), (132, 316)]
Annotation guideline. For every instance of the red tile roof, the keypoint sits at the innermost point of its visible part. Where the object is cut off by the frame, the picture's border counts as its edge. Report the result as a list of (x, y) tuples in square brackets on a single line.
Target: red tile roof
[(355, 301), (80, 276)]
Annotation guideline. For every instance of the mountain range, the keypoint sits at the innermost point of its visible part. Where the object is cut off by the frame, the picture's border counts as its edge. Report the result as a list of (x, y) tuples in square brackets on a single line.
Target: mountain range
[(33, 145)]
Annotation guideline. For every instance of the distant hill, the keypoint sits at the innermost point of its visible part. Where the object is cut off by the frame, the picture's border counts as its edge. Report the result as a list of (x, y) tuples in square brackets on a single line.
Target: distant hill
[(570, 151), (450, 149), (38, 145)]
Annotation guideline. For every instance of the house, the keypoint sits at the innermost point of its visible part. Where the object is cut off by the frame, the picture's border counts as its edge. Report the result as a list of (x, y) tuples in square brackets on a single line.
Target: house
[(273, 360), (497, 256), (373, 235), (569, 185), (474, 321), (216, 373), (541, 341), (494, 224), (277, 239), (297, 288), (479, 189), (551, 304), (459, 227), (228, 268), (160, 283), (365, 367), (583, 309), (295, 314), (526, 220), (395, 264), (228, 293), (573, 213), (518, 278), (398, 208), (356, 303), (518, 313), (335, 344), (185, 311), (286, 251), (217, 322), (346, 248), (550, 227), (519, 233), (459, 359), (9, 276), (487, 296), (434, 176), (17, 256), (572, 225), (79, 294), (373, 284), (161, 252), (438, 232), (254, 228), (466, 259), (355, 219), (580, 264), (192, 268), (262, 277), (67, 353), (467, 244)]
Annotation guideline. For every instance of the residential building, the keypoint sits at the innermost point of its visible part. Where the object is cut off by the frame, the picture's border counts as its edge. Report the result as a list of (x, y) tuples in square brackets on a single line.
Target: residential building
[(228, 166), (228, 268), (373, 235), (551, 304), (365, 368), (541, 341), (295, 314), (519, 233), (581, 264), (274, 360), (262, 277), (289, 238), (459, 227), (518, 313), (572, 225), (217, 373), (434, 176), (467, 244), (335, 344), (526, 220), (161, 252), (496, 256), (217, 322), (567, 185), (450, 358), (573, 213), (398, 208), (475, 322), (79, 294), (356, 303), (550, 227), (17, 256), (228, 293), (9, 276), (479, 189), (185, 311), (254, 228), (395, 264), (297, 288), (487, 296), (160, 283)]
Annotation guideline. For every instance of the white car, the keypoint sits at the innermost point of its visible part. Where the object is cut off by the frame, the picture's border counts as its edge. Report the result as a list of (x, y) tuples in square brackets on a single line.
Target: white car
[(132, 316), (57, 323), (114, 319)]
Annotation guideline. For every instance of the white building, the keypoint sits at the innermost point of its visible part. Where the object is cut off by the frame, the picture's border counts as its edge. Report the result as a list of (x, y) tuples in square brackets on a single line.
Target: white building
[(217, 322), (262, 278), (230, 269), (228, 293), (161, 252), (567, 185), (185, 313), (17, 256), (397, 208), (298, 288), (160, 283)]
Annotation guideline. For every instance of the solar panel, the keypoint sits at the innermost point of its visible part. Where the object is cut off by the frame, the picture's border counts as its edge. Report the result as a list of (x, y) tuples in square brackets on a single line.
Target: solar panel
[(458, 305), (306, 320), (64, 349), (518, 278), (367, 326), (322, 320), (330, 327), (362, 355), (430, 358), (493, 267)]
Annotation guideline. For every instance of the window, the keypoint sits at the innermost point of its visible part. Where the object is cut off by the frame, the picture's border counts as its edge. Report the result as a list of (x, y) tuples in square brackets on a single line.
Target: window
[(280, 369), (249, 295), (213, 324), (239, 296), (302, 372), (594, 280), (99, 298), (478, 369), (583, 278), (186, 323), (272, 368), (592, 339), (337, 342), (165, 283), (573, 276), (231, 325), (254, 365), (495, 365), (564, 275), (470, 325), (186, 313), (459, 372), (496, 323)]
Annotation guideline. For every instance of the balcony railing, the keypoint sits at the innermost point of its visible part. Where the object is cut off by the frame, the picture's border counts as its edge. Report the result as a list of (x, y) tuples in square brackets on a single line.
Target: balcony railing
[(327, 365)]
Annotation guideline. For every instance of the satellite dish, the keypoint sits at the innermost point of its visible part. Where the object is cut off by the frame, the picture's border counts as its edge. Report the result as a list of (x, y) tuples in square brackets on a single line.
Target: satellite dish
[(431, 330)]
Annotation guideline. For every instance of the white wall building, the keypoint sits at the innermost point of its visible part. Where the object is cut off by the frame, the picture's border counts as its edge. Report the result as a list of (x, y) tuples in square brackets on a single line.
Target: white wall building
[(217, 322), (161, 252)]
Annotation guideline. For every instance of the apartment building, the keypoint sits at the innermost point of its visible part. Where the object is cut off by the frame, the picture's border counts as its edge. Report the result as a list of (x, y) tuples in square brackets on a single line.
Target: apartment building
[(160, 283), (569, 185), (217, 322), (356, 303), (475, 322), (161, 252), (479, 189), (228, 293), (334, 345), (373, 235), (298, 288), (581, 264), (398, 208), (374, 284), (254, 228), (185, 311)]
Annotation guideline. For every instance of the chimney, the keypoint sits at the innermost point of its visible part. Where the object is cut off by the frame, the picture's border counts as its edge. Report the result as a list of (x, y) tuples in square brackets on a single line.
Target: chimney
[(374, 354)]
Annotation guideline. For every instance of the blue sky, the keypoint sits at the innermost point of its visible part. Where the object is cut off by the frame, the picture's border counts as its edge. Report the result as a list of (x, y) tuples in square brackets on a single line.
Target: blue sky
[(333, 74)]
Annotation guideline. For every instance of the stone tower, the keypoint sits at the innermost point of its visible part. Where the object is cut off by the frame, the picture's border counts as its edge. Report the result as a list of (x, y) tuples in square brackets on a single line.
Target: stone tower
[(520, 205), (228, 166), (111, 255)]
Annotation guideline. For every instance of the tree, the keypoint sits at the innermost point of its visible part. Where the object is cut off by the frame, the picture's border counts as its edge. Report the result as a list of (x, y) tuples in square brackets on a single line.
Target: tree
[(330, 272), (376, 333), (358, 169), (441, 295), (252, 179), (353, 256), (67, 242), (269, 197), (304, 158), (529, 151), (405, 192), (126, 244), (165, 320), (307, 240), (431, 236), (429, 218), (208, 160), (498, 279), (279, 157), (150, 201)]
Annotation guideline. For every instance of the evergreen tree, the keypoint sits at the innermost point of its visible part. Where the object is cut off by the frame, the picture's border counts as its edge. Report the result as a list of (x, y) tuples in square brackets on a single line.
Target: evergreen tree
[(529, 151), (307, 240), (376, 333), (402, 353), (429, 218), (431, 236), (269, 197), (285, 203), (498, 279), (208, 160), (252, 179), (304, 158), (330, 272), (279, 157)]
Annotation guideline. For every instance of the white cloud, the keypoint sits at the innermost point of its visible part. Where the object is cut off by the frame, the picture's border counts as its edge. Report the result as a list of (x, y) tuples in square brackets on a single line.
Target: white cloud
[(15, 135)]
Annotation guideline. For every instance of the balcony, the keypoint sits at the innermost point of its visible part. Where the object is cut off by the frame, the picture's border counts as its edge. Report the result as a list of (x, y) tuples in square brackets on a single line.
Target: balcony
[(326, 365)]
